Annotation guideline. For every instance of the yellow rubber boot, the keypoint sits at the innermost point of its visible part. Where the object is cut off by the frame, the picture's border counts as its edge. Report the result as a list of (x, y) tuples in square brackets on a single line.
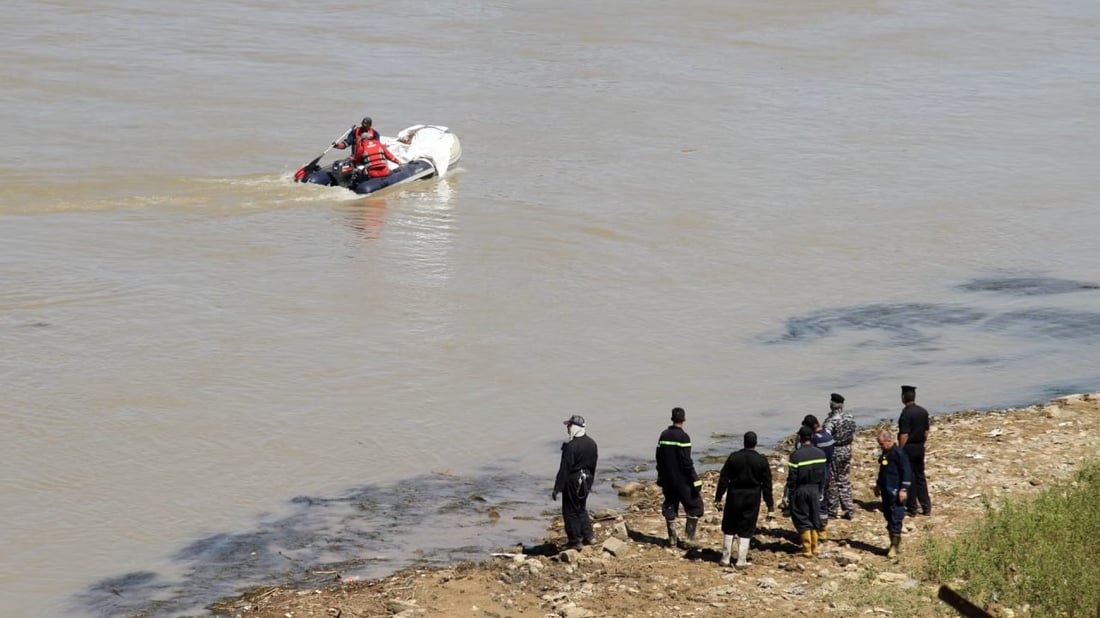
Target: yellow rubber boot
[(895, 546), (822, 535), (807, 543), (813, 541)]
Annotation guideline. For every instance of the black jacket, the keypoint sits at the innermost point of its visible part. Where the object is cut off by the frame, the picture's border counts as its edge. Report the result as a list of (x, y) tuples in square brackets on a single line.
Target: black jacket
[(808, 466), (674, 466), (578, 463), (894, 472), (746, 469), (915, 422)]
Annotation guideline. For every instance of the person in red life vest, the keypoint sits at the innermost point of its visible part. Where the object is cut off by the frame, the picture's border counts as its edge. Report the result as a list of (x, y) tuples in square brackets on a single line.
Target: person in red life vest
[(374, 154), (355, 135)]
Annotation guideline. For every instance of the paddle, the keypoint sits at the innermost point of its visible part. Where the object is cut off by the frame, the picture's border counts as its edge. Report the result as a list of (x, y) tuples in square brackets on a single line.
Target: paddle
[(312, 165)]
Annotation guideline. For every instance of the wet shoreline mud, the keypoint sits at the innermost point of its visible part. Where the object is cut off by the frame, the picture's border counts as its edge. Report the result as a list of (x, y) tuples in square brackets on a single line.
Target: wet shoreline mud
[(974, 458)]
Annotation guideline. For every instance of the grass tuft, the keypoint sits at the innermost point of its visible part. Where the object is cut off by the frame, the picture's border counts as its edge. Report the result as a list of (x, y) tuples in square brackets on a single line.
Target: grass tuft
[(1042, 553)]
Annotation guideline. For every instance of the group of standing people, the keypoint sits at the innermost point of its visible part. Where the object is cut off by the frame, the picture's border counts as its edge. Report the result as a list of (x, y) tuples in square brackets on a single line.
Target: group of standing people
[(818, 486)]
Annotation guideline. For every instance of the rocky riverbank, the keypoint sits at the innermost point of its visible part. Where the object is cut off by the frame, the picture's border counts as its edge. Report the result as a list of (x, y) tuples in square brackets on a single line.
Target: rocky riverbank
[(973, 459)]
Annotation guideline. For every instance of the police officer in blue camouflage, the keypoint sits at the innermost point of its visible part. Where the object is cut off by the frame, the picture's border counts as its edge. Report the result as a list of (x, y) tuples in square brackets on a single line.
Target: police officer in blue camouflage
[(842, 426)]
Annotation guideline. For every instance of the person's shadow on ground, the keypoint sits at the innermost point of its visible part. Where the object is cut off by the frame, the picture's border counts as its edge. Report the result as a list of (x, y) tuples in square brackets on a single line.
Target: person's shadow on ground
[(641, 537), (542, 549), (868, 505)]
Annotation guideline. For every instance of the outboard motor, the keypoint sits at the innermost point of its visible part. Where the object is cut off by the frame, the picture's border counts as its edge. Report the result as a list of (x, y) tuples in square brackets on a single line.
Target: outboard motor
[(344, 172)]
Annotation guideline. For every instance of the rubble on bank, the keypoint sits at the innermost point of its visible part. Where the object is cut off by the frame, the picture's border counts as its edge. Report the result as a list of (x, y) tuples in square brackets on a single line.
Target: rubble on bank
[(973, 459)]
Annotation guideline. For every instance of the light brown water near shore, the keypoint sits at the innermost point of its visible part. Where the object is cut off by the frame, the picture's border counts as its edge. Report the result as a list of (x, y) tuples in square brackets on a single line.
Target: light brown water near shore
[(974, 459)]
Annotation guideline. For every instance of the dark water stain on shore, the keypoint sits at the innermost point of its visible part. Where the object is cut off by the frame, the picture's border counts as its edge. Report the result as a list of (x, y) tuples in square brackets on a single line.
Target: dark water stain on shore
[(1026, 286), (368, 532)]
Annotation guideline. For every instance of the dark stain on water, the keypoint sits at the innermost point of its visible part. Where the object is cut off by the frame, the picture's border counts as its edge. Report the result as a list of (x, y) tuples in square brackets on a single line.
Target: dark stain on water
[(369, 531), (1027, 286), (1047, 323), (903, 323), (919, 324)]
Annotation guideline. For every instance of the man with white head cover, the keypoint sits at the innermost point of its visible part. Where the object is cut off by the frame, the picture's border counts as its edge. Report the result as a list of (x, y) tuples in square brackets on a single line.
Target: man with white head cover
[(575, 477)]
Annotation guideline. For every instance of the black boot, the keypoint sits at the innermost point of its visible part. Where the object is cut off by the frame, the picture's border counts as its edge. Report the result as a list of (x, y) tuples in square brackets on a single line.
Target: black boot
[(673, 540), (689, 531)]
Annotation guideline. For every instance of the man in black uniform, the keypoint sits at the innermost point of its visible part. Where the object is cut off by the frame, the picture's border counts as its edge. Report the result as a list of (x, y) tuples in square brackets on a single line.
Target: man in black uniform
[(805, 484), (746, 476), (894, 478), (913, 426), (575, 477), (824, 441), (677, 478)]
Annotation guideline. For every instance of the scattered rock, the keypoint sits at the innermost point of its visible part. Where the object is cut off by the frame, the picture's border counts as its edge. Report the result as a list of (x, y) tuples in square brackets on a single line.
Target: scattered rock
[(629, 490), (615, 547), (569, 555), (396, 606), (846, 558)]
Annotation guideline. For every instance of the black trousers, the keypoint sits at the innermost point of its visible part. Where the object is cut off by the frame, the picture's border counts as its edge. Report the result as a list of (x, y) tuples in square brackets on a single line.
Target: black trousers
[(893, 511), (805, 501), (574, 512), (741, 512), (918, 493), (685, 495)]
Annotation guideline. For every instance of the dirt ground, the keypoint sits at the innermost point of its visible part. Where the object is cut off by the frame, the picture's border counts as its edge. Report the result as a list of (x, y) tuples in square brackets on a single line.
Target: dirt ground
[(973, 458)]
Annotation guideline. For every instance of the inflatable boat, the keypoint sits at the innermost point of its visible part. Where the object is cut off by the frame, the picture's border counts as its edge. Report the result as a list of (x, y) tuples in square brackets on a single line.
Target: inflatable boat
[(428, 151)]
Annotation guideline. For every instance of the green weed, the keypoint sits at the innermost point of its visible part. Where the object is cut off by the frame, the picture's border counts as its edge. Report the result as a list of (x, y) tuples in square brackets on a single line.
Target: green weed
[(1043, 553)]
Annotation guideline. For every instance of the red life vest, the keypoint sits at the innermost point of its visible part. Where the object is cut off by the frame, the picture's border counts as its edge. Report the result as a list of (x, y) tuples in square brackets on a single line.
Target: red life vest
[(374, 157), (358, 140)]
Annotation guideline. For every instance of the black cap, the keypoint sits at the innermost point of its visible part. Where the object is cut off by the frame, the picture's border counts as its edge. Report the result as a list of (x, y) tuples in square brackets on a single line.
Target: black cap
[(805, 433), (576, 419), (678, 415), (366, 123), (810, 421), (910, 389), (836, 398)]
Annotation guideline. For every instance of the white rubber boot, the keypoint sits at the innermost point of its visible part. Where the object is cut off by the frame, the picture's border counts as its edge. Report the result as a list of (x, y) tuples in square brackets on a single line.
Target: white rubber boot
[(727, 549), (743, 554)]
